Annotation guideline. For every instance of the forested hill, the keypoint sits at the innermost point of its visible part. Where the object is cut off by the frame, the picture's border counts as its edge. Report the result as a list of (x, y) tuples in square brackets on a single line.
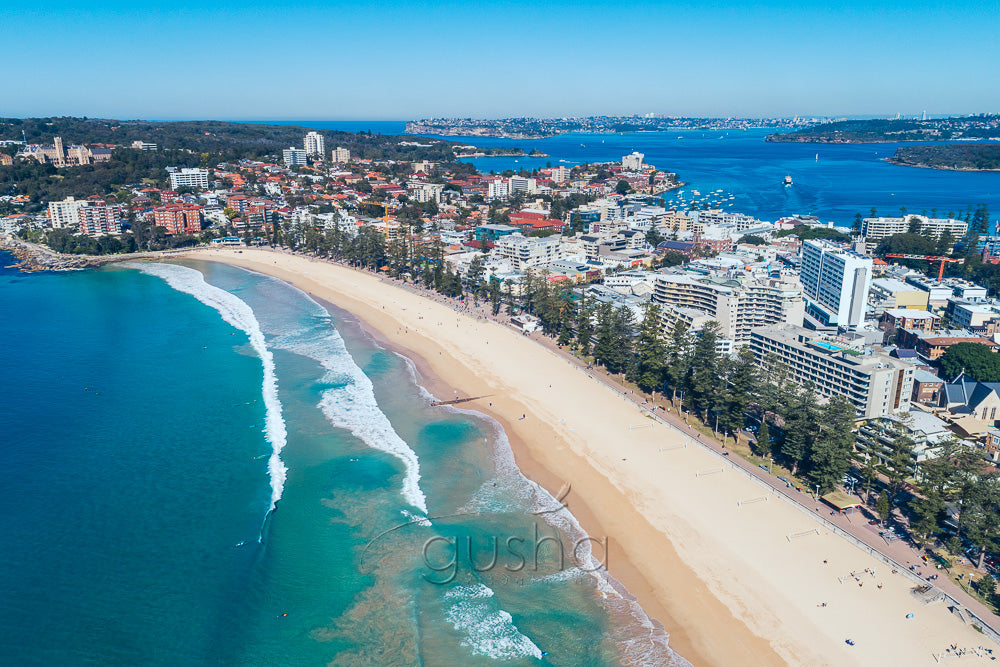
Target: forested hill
[(878, 130), (224, 139), (962, 157)]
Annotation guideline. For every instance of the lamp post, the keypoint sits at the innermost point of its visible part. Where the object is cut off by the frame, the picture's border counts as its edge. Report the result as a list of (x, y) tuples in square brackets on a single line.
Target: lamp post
[(817, 492), (770, 462)]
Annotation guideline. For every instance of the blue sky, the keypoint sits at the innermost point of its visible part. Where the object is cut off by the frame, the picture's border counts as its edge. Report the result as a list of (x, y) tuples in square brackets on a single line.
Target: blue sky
[(355, 60)]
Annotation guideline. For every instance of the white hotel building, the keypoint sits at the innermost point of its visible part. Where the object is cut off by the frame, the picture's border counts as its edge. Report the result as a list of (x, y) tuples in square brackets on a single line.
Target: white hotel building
[(836, 283)]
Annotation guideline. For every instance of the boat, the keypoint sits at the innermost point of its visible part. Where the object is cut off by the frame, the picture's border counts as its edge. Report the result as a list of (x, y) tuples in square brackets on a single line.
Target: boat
[(788, 180)]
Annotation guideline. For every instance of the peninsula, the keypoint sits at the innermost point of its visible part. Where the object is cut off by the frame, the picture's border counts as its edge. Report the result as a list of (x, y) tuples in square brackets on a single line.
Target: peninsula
[(878, 130), (956, 157), (539, 128)]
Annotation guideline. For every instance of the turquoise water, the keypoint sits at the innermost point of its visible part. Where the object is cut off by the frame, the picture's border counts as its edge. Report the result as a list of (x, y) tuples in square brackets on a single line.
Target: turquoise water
[(154, 417)]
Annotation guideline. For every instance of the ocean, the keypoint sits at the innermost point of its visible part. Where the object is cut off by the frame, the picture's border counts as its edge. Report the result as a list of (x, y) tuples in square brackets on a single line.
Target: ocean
[(739, 171), (205, 465)]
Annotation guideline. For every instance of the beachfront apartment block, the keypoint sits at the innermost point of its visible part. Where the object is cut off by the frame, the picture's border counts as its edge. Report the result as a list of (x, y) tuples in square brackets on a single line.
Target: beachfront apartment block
[(99, 219), (875, 383), (528, 252), (179, 218), (189, 178), (835, 282), (294, 157), (315, 145), (737, 304), (63, 213), (875, 229), (341, 155)]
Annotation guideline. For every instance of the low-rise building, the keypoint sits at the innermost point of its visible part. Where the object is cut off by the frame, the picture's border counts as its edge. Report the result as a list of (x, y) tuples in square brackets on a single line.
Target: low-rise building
[(932, 345), (903, 318), (927, 433)]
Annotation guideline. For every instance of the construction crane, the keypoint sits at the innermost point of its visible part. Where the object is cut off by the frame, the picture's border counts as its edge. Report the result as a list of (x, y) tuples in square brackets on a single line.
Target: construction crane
[(929, 258), (383, 205)]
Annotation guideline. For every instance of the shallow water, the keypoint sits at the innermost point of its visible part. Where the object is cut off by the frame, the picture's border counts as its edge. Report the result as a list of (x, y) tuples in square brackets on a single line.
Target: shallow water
[(144, 532)]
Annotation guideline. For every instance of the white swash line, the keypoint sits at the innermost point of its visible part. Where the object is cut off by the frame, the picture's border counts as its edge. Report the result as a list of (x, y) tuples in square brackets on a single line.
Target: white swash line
[(240, 315)]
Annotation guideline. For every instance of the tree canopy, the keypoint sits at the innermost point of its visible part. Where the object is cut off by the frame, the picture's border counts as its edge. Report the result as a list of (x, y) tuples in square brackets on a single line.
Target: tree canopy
[(977, 361)]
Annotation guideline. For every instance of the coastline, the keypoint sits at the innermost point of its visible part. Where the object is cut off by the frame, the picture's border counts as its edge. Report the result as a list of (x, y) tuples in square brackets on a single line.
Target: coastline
[(727, 587), (900, 163)]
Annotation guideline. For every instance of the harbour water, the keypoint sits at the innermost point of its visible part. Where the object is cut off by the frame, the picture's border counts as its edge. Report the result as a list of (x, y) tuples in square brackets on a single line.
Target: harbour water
[(206, 465), (831, 181)]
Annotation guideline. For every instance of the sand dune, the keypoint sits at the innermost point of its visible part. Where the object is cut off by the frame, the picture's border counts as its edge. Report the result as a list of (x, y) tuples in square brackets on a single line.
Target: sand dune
[(724, 580)]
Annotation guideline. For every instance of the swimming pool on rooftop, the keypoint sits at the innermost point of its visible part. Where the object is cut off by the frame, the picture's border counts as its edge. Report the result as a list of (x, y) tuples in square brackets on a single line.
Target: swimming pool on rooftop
[(827, 346)]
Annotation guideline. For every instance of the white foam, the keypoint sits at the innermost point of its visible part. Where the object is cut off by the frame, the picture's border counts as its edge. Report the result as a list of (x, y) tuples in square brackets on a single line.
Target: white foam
[(488, 630), (240, 315), (350, 403), (421, 520)]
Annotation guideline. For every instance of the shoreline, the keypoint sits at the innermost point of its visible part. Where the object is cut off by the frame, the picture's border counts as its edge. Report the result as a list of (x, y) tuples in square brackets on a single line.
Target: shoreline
[(723, 581)]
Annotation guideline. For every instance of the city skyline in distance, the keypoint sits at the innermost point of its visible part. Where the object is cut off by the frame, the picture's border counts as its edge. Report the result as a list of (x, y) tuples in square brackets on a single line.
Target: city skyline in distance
[(413, 60)]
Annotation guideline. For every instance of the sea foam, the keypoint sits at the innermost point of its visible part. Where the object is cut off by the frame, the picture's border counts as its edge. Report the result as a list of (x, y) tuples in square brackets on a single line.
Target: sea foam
[(241, 316), (349, 402), (488, 629)]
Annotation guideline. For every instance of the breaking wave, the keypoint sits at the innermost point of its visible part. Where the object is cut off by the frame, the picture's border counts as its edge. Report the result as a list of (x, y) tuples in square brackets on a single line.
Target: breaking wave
[(489, 630), (241, 316)]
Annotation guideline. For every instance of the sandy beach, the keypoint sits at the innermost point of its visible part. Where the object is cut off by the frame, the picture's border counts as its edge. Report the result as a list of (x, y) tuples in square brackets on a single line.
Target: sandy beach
[(724, 580)]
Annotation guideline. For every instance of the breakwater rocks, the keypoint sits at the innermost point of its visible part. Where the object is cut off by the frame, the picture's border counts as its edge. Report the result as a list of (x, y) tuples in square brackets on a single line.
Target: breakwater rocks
[(33, 257)]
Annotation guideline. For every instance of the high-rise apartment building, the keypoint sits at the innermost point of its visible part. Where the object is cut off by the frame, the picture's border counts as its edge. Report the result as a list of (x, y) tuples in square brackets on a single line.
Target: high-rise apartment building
[(633, 162), (294, 157), (315, 145), (99, 219), (341, 155), (836, 283), (189, 178), (179, 218), (63, 213)]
